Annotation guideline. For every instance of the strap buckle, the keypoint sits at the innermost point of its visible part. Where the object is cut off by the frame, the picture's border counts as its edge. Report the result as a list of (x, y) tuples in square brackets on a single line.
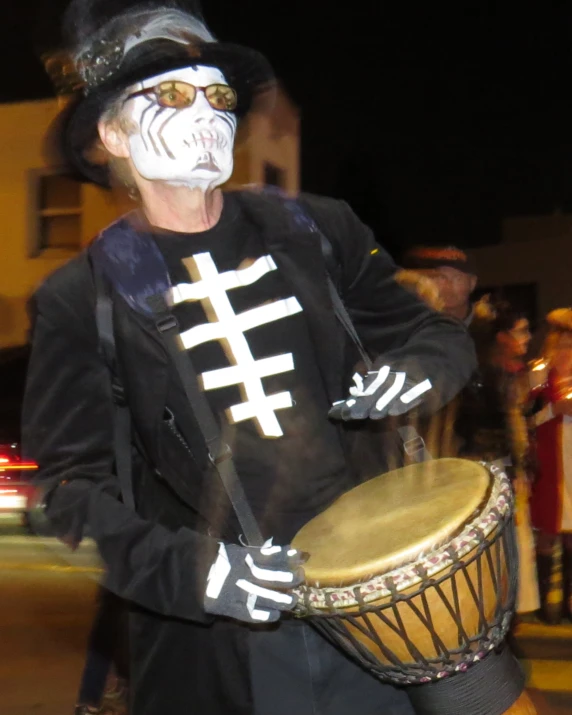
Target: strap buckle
[(225, 454), (167, 323), (118, 394), (413, 446)]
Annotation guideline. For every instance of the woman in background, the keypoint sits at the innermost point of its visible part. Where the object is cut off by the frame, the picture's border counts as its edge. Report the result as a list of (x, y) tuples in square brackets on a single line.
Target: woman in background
[(501, 431)]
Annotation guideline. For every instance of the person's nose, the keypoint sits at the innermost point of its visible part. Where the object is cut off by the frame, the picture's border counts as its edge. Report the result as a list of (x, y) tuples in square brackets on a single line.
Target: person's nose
[(204, 113)]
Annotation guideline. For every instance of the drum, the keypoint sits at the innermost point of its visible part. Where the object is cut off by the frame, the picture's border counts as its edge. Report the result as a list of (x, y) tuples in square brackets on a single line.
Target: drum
[(414, 575)]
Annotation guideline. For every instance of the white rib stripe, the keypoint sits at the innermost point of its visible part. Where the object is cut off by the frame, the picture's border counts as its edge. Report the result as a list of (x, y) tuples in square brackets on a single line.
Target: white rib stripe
[(233, 375), (240, 323), (225, 281)]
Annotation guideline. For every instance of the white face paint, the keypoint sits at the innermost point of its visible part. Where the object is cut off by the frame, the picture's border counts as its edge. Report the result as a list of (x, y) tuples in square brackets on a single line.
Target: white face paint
[(186, 147)]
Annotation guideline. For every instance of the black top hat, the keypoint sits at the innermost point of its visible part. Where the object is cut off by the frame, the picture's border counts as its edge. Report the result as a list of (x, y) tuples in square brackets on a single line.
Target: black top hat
[(110, 53)]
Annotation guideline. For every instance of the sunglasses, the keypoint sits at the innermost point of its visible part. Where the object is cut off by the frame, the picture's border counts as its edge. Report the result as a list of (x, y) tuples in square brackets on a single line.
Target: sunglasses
[(179, 95)]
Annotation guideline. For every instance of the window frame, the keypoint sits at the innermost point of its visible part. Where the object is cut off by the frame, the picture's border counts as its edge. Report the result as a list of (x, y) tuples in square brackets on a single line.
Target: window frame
[(36, 214)]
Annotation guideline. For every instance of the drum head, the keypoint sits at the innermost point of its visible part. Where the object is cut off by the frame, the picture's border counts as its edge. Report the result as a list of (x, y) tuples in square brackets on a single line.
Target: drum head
[(391, 521)]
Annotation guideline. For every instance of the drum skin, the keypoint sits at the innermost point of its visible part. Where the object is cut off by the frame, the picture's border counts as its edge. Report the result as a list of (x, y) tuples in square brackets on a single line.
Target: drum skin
[(387, 522)]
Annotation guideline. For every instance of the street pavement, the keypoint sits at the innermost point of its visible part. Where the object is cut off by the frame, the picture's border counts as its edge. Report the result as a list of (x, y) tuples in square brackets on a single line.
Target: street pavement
[(546, 653), (46, 605)]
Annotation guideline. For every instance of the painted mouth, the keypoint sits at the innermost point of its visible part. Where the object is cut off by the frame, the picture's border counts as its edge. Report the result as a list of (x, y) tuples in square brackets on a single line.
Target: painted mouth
[(206, 162), (207, 139)]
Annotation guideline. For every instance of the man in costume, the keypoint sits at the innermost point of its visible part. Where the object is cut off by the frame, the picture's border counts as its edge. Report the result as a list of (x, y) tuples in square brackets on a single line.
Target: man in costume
[(247, 291)]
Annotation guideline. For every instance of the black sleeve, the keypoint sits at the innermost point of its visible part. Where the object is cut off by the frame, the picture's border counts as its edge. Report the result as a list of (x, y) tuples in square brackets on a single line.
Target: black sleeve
[(67, 429), (397, 328)]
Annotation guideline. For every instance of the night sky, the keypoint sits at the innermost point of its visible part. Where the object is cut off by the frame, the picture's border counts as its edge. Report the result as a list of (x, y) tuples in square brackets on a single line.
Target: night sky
[(433, 122)]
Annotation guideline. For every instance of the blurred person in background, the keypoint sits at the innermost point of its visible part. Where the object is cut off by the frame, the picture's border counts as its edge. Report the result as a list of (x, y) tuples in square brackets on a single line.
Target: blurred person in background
[(551, 499), (489, 420), (497, 411), (105, 677), (453, 272), (448, 432), (422, 286), (211, 624)]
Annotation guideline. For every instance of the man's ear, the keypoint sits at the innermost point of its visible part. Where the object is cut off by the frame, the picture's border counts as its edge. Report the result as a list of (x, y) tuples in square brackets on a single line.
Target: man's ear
[(473, 283), (114, 139)]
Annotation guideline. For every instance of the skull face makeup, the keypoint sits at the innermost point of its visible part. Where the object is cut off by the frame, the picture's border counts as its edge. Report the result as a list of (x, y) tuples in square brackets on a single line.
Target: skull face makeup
[(189, 146)]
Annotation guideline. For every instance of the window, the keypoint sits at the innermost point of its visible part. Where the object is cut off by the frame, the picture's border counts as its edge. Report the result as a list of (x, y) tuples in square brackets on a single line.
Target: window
[(273, 176), (56, 212)]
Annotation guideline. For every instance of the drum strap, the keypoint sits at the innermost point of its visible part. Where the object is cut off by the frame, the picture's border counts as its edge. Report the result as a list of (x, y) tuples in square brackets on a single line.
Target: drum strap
[(490, 687), (413, 444)]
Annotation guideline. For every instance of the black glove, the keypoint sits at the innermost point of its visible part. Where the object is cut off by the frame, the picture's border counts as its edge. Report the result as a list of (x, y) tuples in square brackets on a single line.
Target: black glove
[(379, 394), (242, 581)]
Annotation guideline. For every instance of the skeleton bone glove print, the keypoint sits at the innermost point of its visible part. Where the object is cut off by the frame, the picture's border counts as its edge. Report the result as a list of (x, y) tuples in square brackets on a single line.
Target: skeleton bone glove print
[(242, 582), (380, 393)]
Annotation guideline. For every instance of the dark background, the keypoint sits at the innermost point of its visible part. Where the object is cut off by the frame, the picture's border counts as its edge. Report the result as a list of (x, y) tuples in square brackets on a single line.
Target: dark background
[(433, 120)]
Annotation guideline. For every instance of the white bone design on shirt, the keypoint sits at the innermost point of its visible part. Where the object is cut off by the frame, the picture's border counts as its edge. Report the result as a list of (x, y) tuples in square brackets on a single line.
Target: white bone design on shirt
[(229, 326)]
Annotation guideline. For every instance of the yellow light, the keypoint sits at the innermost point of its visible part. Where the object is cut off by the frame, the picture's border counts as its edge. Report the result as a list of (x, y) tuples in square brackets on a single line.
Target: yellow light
[(18, 466)]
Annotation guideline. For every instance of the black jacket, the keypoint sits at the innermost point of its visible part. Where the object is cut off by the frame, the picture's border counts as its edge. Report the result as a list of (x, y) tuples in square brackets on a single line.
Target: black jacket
[(159, 557)]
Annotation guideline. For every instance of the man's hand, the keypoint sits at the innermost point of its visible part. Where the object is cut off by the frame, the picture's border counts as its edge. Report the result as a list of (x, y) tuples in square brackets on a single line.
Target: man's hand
[(379, 394), (243, 580)]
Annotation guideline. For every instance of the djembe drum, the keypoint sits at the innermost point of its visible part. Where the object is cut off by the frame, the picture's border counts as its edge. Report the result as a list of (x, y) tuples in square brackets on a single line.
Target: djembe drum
[(414, 575)]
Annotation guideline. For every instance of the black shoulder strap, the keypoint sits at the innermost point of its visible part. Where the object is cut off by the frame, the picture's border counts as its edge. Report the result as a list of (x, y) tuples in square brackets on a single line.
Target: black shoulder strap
[(220, 454), (122, 432)]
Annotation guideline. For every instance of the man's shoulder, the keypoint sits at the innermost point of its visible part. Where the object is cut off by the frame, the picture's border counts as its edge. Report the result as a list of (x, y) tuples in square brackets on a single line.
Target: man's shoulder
[(278, 200), (69, 276), (332, 216), (76, 276), (70, 285)]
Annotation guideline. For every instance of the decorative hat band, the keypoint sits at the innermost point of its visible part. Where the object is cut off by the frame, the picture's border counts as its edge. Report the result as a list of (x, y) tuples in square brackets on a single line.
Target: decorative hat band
[(100, 62)]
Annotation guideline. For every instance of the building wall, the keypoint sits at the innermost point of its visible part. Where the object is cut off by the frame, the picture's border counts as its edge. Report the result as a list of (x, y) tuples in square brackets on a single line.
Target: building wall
[(534, 250), (266, 139)]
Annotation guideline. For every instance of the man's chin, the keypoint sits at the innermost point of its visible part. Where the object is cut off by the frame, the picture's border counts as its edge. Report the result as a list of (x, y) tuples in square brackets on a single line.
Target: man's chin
[(198, 180)]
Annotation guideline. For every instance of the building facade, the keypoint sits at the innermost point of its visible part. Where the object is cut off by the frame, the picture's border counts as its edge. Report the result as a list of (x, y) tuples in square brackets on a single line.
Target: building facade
[(532, 264), (48, 217)]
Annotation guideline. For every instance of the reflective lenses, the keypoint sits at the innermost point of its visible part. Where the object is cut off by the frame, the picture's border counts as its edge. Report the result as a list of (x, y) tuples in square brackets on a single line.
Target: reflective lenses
[(178, 95)]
